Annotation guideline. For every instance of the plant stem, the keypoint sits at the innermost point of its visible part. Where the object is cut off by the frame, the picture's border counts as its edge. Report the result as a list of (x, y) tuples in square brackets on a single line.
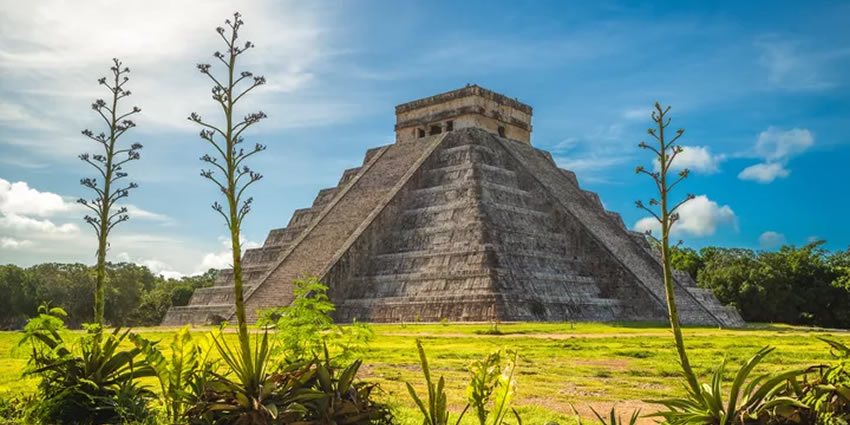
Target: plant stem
[(666, 224)]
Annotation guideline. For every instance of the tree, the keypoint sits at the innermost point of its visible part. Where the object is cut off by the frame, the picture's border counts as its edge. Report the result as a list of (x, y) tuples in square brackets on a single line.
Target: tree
[(667, 216), (229, 157), (110, 165)]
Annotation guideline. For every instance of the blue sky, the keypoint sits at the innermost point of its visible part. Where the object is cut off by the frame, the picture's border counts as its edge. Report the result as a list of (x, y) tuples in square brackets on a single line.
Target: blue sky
[(762, 89)]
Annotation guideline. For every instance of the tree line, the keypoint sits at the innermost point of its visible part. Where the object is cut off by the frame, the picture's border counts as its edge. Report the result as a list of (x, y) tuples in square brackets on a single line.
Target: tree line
[(134, 295), (808, 285)]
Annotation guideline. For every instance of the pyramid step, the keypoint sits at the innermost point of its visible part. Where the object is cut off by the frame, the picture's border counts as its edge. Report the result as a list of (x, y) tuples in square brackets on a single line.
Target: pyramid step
[(342, 222), (264, 254), (470, 190), (197, 315), (283, 236), (216, 295), (473, 153), (324, 197), (348, 175), (469, 171), (302, 217)]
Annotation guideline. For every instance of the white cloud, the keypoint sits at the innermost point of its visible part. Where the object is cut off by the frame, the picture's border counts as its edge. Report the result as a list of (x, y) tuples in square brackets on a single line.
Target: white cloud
[(223, 259), (791, 66), (769, 240), (137, 213), (700, 217), (813, 238), (636, 114), (775, 144), (776, 147), (19, 198), (12, 243), (696, 158), (19, 223), (155, 266), (764, 172)]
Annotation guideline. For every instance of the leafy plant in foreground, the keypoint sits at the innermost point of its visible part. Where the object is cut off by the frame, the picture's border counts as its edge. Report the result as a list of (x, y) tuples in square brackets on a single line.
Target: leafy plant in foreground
[(305, 328), (248, 393), (765, 399), (491, 379), (180, 374), (613, 418), (336, 398), (828, 396), (91, 381)]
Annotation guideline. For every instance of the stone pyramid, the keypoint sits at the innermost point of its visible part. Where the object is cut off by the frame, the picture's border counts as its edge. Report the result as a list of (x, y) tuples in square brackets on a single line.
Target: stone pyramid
[(460, 219)]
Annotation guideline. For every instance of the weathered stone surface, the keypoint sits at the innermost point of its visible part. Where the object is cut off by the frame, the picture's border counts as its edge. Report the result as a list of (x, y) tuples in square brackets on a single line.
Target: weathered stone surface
[(464, 225)]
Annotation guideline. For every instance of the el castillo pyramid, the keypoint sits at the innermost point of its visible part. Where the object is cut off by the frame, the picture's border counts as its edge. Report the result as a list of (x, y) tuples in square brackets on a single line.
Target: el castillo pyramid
[(460, 219)]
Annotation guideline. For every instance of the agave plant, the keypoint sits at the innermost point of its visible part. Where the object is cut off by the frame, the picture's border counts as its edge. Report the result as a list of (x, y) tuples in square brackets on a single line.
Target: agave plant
[(92, 381), (490, 380), (336, 398), (248, 394), (765, 397), (828, 395), (177, 374), (436, 411), (613, 417)]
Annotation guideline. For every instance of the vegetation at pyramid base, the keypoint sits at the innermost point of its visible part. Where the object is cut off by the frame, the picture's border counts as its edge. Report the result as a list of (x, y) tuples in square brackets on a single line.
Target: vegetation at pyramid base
[(134, 295), (802, 286)]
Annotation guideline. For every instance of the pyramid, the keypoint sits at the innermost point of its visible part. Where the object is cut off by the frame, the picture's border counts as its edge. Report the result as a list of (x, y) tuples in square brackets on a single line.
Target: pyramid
[(460, 219)]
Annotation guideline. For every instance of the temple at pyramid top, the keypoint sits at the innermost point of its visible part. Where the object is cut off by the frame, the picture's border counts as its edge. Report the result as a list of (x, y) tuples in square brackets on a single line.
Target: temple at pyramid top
[(460, 219), (471, 106)]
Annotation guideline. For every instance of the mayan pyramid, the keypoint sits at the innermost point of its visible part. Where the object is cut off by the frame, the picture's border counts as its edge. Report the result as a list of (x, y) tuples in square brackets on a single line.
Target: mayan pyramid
[(460, 219)]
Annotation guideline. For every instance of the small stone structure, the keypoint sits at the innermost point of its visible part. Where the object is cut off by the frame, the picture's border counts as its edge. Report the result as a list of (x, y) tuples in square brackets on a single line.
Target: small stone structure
[(460, 219)]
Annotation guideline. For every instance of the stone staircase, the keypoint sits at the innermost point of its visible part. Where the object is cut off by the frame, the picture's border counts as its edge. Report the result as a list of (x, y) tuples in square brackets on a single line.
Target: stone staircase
[(475, 241), (215, 304)]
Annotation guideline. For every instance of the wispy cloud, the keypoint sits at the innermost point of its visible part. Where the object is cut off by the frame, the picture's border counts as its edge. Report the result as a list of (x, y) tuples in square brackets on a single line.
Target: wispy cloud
[(776, 147)]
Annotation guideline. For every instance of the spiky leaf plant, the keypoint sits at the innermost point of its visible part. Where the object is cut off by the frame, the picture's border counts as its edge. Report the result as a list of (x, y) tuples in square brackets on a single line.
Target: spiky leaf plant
[(766, 398)]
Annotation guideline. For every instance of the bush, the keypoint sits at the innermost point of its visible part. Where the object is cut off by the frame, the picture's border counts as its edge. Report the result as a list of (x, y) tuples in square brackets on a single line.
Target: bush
[(492, 378), (305, 328), (766, 399), (828, 395), (90, 381)]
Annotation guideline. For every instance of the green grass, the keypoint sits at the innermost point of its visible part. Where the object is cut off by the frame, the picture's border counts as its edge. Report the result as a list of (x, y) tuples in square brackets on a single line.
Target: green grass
[(586, 364)]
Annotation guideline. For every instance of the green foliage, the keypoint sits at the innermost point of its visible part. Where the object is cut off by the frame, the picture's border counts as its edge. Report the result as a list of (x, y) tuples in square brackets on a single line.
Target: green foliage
[(805, 286), (686, 259), (182, 375), (305, 327), (612, 419), (490, 391), (92, 381), (493, 376), (247, 393), (336, 398), (436, 411), (828, 396), (134, 295), (767, 398)]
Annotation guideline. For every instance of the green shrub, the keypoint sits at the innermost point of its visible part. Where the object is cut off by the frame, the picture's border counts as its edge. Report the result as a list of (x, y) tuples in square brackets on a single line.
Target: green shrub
[(182, 376), (489, 393), (613, 417), (828, 395), (766, 399), (91, 381), (338, 399), (305, 327)]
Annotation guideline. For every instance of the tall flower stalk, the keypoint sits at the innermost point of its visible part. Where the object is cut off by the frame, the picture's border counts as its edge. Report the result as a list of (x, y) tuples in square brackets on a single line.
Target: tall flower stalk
[(109, 163), (666, 214), (228, 170)]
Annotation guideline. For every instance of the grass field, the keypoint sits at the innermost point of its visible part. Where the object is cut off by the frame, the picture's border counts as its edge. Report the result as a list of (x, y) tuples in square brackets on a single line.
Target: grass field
[(588, 364)]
